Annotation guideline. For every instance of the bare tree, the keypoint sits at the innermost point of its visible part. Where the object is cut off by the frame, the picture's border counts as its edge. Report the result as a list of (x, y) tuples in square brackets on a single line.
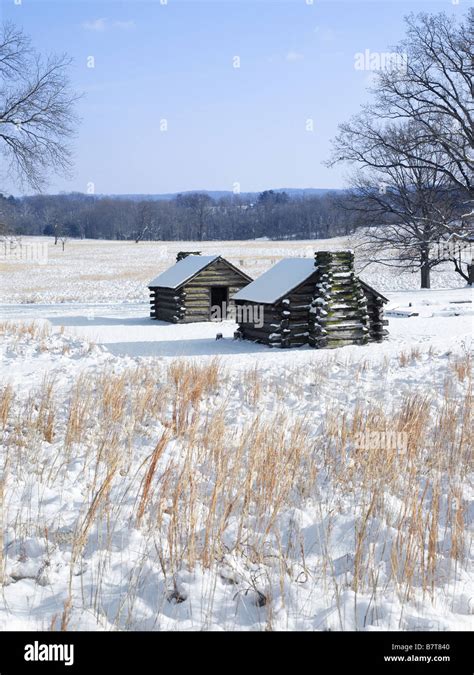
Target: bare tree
[(63, 238), (434, 90), (36, 109), (145, 221), (417, 138), (200, 206), (459, 251), (407, 210)]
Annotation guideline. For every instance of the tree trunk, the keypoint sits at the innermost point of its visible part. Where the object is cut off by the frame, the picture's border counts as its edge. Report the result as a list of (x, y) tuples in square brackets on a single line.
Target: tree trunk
[(425, 276), (425, 267)]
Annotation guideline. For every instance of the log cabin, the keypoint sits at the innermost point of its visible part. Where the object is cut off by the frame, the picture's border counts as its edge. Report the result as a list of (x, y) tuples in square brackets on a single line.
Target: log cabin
[(318, 302), (285, 292), (188, 291)]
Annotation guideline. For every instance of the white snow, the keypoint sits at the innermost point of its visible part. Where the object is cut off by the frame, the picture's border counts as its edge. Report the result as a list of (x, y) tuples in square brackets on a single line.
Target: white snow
[(92, 271), (119, 580), (277, 281), (182, 271)]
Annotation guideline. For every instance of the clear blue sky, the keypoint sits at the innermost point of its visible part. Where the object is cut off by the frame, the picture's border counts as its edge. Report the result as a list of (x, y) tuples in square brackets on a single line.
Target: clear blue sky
[(226, 125)]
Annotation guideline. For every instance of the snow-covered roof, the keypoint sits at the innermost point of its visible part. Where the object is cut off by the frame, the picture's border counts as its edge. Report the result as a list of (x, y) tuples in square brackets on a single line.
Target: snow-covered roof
[(279, 280), (182, 271)]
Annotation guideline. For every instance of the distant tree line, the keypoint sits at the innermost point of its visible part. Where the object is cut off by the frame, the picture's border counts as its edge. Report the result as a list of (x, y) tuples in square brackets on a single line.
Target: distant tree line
[(190, 216), (401, 221)]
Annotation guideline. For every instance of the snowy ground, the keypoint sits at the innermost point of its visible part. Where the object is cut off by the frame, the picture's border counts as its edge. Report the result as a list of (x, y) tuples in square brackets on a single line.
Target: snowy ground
[(118, 271), (339, 551)]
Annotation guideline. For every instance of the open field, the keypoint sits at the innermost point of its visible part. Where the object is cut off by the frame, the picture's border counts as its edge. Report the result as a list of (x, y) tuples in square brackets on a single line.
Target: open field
[(118, 271), (155, 478)]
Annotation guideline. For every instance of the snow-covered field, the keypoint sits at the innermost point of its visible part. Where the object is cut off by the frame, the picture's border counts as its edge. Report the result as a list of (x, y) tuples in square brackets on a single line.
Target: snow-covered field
[(118, 271), (155, 478)]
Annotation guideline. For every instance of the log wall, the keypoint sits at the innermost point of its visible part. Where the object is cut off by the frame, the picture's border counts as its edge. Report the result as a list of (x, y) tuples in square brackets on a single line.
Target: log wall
[(285, 322), (192, 301), (377, 323)]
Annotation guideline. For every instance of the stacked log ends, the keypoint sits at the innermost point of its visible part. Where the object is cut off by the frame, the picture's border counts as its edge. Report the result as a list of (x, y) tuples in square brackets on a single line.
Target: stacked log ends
[(377, 323), (168, 305), (338, 313)]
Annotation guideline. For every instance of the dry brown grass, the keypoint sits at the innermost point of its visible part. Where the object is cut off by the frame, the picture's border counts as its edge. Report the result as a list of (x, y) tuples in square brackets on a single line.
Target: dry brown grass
[(406, 358), (14, 266), (79, 407), (434, 463), (150, 473), (6, 401), (190, 383), (462, 366), (210, 485), (46, 409), (253, 389), (29, 329)]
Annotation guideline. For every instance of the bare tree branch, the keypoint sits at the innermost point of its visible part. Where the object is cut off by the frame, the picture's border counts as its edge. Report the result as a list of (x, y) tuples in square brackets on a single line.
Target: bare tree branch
[(36, 110)]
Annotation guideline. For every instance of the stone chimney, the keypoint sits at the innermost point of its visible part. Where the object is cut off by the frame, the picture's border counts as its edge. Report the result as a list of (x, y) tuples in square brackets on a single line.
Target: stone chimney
[(338, 312), (184, 254)]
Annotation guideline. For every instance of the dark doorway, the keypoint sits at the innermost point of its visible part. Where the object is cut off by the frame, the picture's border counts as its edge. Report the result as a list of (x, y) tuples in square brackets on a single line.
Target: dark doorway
[(219, 298)]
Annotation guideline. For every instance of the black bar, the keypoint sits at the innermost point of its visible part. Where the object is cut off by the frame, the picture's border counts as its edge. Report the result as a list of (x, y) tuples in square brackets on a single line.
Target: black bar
[(321, 652)]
